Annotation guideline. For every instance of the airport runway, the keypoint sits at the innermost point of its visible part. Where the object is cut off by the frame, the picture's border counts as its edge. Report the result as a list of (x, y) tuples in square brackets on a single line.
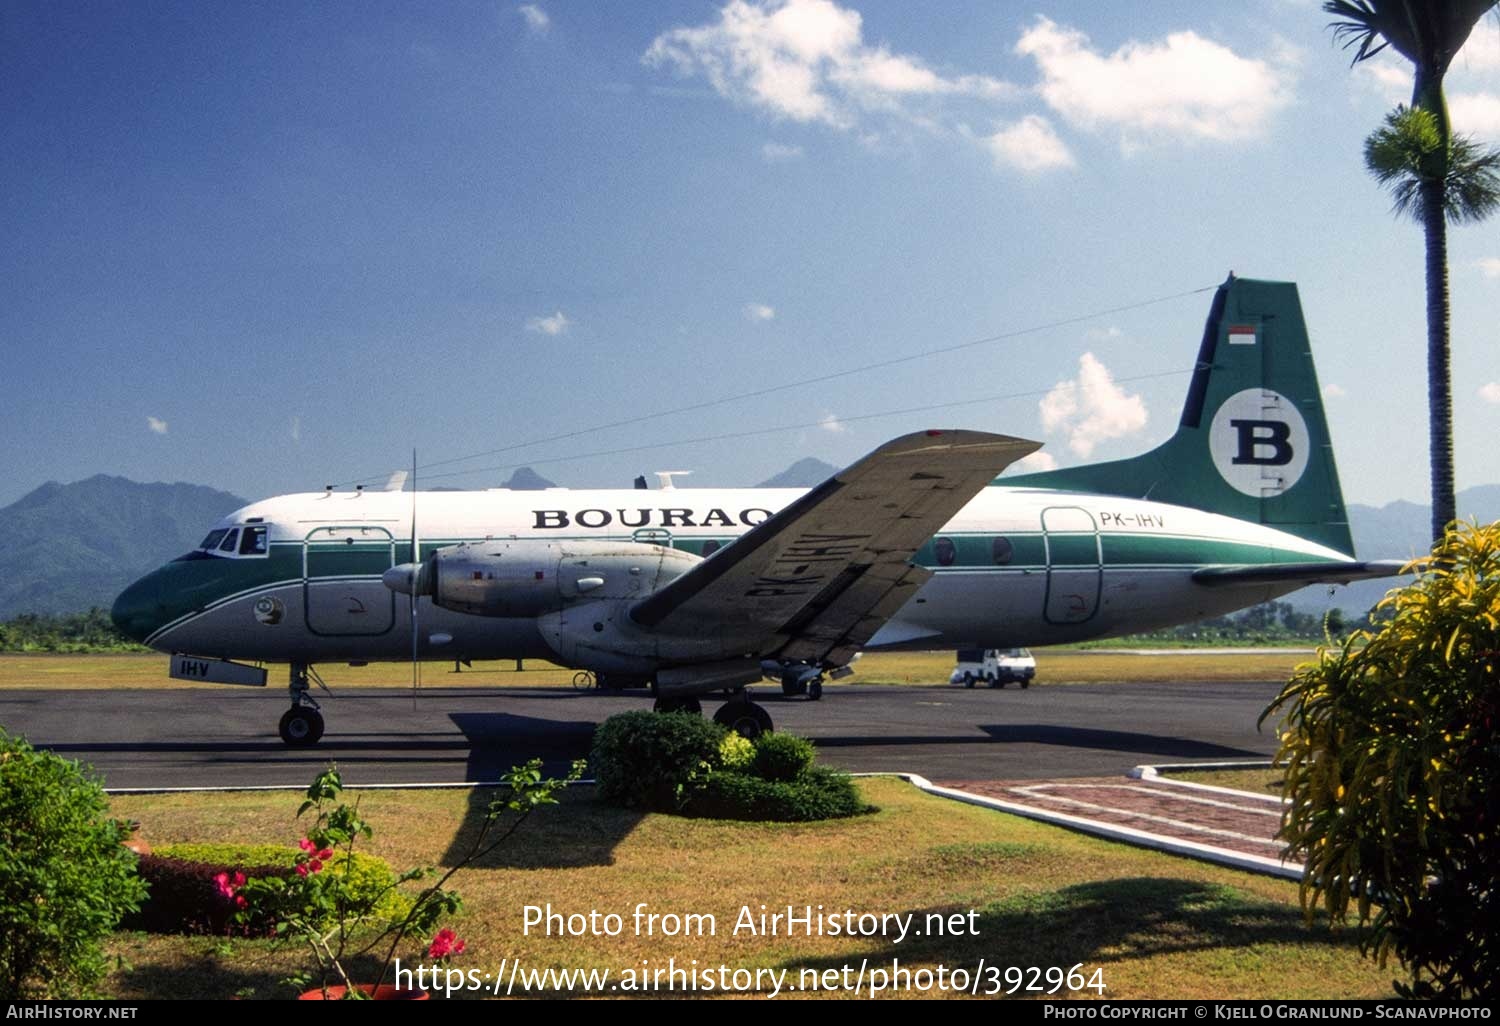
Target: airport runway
[(199, 737)]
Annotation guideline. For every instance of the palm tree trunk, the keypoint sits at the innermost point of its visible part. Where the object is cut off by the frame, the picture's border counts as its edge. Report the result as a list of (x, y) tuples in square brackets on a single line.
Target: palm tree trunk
[(1439, 385)]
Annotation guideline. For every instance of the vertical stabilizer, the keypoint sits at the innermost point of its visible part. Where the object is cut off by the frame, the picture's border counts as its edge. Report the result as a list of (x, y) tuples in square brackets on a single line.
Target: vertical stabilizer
[(1252, 442)]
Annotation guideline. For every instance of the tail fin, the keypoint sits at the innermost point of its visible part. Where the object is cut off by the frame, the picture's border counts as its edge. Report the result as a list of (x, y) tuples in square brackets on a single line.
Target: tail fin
[(1252, 442)]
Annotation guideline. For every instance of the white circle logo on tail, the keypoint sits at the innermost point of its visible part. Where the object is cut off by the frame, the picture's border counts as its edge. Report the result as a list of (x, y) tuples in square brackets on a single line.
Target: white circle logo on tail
[(1259, 443)]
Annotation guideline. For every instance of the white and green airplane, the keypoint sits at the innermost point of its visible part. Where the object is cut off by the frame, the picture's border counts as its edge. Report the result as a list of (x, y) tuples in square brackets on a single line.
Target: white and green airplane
[(692, 592)]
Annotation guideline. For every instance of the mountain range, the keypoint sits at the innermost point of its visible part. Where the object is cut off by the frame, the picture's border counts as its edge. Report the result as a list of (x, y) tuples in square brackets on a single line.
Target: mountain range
[(65, 548)]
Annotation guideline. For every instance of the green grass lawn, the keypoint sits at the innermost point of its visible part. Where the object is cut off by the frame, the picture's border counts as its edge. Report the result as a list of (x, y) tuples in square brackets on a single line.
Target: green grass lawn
[(1154, 925), (1054, 666)]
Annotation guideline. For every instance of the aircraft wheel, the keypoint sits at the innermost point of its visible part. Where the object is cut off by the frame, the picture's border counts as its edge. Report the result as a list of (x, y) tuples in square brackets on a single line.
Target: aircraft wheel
[(683, 705), (744, 718), (814, 690), (301, 726)]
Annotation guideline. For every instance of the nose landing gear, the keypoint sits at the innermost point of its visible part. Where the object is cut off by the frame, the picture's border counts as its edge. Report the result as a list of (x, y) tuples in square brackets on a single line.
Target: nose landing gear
[(302, 725)]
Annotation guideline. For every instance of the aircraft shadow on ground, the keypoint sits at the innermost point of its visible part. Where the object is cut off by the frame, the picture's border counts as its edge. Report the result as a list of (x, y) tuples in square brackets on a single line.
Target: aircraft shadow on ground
[(1062, 736), (551, 838), (1126, 919)]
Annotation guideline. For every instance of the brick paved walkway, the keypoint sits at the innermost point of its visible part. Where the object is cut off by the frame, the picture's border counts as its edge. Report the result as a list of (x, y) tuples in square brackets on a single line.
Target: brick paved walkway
[(1223, 826)]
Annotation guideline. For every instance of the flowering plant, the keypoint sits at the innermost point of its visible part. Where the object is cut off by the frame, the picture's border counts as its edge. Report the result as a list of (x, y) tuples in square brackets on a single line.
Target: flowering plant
[(340, 919)]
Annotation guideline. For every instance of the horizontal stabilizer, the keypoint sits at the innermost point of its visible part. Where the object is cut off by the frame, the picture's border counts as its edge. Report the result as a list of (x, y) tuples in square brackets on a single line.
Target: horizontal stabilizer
[(1304, 573)]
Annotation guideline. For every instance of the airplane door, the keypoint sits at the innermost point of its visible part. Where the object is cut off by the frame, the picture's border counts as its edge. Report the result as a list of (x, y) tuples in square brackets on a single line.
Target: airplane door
[(342, 594), (1075, 569)]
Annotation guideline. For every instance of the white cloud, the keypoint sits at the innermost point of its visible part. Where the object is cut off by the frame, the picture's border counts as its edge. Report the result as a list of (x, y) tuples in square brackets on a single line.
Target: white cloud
[(296, 428), (1475, 113), (1390, 79), (831, 423), (1160, 91), (1108, 334), (806, 60), (557, 324), (1029, 145), (1333, 391), (536, 19), (759, 312), (1091, 408), (774, 152), (1035, 463), (1490, 392), (157, 425), (1489, 266), (1482, 51)]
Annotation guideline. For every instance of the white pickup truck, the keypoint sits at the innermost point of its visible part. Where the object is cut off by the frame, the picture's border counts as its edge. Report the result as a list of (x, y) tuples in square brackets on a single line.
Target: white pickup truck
[(996, 667)]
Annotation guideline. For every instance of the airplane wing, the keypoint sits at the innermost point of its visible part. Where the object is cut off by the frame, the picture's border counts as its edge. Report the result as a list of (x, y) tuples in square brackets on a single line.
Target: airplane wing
[(1305, 573), (820, 577)]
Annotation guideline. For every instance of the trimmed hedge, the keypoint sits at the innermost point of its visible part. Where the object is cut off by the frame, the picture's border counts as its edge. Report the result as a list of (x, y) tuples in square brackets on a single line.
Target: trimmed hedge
[(819, 793), (184, 898)]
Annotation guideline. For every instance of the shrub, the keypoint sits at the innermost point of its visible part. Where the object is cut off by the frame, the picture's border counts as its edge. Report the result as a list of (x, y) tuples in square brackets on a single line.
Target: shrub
[(736, 752), (65, 881), (819, 793), (1393, 773), (782, 756), (185, 896), (654, 760)]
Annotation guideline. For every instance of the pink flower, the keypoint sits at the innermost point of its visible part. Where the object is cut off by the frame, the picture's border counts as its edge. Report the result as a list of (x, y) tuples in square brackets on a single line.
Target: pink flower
[(302, 869), (324, 855), (229, 886), (444, 944), (306, 845)]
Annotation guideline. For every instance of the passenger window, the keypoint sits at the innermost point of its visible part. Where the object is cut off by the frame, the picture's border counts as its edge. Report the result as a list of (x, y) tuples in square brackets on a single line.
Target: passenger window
[(227, 545), (1002, 550), (946, 553), (254, 542), (214, 537)]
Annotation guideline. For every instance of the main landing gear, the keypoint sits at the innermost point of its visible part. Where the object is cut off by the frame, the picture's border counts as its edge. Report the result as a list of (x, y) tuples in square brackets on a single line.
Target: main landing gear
[(739, 714), (744, 717), (302, 725)]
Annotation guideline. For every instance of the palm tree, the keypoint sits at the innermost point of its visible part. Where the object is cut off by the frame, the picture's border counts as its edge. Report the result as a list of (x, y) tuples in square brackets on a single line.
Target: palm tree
[(1433, 176)]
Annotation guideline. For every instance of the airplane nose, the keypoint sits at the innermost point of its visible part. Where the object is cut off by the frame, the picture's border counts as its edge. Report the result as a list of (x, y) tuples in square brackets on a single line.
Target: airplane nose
[(138, 612)]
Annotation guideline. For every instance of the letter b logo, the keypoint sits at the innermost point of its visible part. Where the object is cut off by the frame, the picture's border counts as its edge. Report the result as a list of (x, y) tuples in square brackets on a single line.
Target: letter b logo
[(1263, 442), (1259, 443)]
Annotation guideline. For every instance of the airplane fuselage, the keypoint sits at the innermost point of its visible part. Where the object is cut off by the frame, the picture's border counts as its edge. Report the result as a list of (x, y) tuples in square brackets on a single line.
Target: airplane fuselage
[(1016, 566)]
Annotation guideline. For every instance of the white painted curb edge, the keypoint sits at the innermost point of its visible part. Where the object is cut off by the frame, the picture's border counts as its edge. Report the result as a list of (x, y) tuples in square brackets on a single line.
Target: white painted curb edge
[(1153, 774)]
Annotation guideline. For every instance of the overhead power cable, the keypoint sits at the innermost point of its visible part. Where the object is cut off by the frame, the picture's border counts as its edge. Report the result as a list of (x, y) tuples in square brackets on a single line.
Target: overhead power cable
[(787, 427), (771, 389)]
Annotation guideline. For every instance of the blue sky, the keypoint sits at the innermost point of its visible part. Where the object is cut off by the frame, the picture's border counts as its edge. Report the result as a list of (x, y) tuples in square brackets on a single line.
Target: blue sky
[(266, 247)]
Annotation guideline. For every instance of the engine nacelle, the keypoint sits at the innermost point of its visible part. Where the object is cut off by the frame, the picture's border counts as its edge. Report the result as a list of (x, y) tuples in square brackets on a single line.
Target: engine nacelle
[(526, 578)]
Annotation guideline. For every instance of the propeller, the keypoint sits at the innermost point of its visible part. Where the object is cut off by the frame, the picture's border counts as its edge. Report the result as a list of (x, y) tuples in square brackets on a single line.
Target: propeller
[(416, 562)]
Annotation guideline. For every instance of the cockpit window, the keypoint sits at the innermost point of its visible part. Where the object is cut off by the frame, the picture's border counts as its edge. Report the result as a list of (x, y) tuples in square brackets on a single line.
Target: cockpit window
[(227, 545), (253, 542), (213, 539)]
